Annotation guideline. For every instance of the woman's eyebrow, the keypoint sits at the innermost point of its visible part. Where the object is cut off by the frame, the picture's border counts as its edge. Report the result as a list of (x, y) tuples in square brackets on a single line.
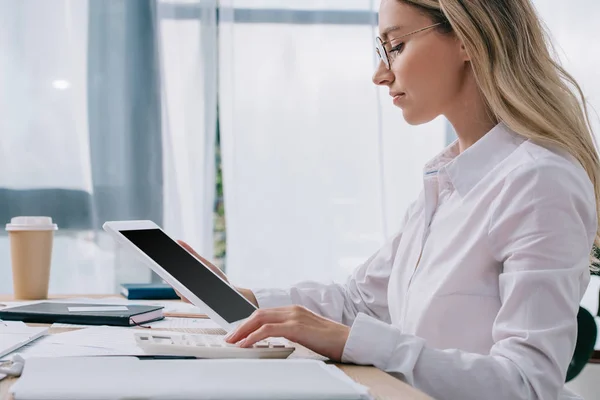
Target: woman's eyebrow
[(389, 30)]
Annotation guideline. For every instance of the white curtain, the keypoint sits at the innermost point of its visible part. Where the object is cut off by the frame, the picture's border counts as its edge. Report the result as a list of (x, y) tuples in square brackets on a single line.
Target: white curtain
[(187, 34), (107, 111), (574, 30), (318, 165), (43, 63), (43, 120)]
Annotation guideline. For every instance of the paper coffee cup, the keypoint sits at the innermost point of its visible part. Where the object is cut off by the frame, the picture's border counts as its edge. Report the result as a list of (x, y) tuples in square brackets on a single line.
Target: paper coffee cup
[(31, 241)]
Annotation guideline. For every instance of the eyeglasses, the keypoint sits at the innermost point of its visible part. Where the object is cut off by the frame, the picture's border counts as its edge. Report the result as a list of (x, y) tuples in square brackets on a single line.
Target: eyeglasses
[(380, 44)]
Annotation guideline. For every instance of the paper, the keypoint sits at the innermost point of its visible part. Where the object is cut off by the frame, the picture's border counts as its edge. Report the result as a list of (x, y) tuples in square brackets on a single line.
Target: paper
[(12, 324), (97, 309), (97, 341), (112, 338), (178, 307), (14, 335), (85, 378), (71, 326), (188, 325), (40, 349)]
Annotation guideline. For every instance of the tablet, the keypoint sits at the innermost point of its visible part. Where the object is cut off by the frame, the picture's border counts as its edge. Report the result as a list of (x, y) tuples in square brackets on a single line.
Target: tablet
[(188, 275)]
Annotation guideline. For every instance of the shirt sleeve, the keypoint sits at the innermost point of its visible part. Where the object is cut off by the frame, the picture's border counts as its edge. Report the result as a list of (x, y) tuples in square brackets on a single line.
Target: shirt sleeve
[(542, 227), (365, 290)]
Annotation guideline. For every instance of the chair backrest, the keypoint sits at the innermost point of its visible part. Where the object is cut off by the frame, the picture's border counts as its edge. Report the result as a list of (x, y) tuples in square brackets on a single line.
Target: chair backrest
[(586, 340)]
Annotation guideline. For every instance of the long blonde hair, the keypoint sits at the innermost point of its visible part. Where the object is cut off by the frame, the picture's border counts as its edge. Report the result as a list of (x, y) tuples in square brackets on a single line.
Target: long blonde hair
[(523, 85)]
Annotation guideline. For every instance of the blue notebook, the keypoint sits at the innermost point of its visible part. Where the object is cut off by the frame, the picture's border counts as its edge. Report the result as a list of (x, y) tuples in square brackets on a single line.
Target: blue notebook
[(148, 291)]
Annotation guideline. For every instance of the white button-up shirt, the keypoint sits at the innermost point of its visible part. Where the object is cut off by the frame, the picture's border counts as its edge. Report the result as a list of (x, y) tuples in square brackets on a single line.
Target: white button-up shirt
[(477, 296)]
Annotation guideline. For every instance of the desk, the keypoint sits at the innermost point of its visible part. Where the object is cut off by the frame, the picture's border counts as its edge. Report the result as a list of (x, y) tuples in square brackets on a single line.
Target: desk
[(381, 385)]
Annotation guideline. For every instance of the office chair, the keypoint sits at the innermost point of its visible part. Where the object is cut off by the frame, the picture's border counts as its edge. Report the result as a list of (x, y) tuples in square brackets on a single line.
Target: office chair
[(586, 340)]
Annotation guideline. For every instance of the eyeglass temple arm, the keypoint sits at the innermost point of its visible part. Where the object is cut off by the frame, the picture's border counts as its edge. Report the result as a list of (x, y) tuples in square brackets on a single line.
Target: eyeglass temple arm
[(411, 33)]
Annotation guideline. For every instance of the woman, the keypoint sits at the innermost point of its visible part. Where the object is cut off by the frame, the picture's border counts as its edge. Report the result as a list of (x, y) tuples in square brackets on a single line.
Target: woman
[(477, 296)]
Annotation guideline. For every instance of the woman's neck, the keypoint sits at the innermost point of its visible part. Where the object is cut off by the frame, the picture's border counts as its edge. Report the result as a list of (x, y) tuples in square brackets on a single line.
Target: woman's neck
[(469, 114)]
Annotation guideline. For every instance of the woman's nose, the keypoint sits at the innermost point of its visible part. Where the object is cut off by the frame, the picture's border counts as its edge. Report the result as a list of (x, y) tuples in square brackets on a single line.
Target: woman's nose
[(382, 75)]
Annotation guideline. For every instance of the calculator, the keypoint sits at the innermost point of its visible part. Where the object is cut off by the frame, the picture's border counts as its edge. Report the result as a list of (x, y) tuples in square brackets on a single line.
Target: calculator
[(208, 346)]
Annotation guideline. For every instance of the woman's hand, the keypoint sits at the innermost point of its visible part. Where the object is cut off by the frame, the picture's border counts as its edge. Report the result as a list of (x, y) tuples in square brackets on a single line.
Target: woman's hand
[(297, 324), (210, 265), (247, 293)]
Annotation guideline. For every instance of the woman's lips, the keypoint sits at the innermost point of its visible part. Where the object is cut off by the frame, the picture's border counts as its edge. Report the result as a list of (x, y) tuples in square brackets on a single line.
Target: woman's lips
[(398, 98)]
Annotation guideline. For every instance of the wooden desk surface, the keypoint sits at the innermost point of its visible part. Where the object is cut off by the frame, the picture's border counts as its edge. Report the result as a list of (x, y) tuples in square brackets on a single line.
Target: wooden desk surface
[(381, 385)]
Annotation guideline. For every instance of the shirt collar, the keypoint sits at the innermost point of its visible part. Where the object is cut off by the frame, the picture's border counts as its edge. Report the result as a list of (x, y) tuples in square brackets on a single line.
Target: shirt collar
[(466, 169)]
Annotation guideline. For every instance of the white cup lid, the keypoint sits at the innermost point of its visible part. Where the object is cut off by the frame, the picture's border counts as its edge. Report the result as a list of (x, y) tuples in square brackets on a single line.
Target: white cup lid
[(31, 224)]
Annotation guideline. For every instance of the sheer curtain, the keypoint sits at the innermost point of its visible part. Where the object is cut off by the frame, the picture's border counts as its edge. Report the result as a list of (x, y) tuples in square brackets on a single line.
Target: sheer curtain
[(187, 32), (574, 29), (318, 165), (107, 111)]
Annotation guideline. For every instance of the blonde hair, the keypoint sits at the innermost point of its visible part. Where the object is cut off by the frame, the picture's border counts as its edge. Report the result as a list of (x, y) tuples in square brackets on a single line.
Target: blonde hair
[(524, 87)]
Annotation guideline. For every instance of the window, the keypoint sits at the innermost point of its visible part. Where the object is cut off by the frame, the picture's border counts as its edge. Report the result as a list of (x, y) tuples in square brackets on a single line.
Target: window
[(103, 120), (110, 110)]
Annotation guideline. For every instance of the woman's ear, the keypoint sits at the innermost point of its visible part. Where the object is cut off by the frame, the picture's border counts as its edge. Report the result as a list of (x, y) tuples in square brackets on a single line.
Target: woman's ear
[(463, 52)]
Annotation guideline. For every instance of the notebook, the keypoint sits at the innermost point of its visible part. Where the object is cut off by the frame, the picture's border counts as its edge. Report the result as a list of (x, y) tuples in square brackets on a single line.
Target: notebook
[(107, 378), (83, 313), (148, 291)]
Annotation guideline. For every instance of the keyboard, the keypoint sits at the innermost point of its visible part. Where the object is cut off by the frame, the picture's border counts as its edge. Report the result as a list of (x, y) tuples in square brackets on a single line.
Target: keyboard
[(208, 346)]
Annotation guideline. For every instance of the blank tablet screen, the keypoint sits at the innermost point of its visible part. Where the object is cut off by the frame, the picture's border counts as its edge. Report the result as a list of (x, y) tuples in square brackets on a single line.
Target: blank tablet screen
[(191, 273)]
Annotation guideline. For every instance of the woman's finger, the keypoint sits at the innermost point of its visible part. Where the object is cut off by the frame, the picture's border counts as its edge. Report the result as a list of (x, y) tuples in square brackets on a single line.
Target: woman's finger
[(188, 248), (182, 297), (266, 331), (257, 320), (210, 265)]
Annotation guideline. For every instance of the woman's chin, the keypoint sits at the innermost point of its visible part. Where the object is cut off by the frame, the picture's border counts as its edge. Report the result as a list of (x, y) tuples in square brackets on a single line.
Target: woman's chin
[(413, 118)]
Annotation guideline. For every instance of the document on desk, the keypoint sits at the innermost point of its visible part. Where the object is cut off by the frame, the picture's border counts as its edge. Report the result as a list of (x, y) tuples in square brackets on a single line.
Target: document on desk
[(114, 339), (39, 349), (96, 341), (180, 324), (15, 334), (170, 307), (186, 324), (125, 377)]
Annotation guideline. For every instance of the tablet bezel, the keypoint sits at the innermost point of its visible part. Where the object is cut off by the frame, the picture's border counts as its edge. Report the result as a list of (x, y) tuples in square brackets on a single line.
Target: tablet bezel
[(113, 228)]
